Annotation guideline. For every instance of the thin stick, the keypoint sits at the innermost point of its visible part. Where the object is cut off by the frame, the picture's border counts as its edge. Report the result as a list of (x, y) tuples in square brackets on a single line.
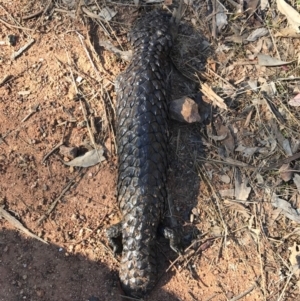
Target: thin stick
[(22, 49), (33, 110), (214, 25), (93, 231), (5, 79), (15, 26), (58, 145), (54, 203), (285, 286), (243, 294), (14, 222), (41, 11)]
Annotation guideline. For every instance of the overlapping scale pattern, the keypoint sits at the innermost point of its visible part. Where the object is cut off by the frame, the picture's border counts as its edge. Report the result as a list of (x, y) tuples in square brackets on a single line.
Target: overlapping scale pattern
[(142, 141)]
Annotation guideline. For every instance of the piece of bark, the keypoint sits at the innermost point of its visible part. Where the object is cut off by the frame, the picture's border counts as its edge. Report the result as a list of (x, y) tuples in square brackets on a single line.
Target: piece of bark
[(184, 110)]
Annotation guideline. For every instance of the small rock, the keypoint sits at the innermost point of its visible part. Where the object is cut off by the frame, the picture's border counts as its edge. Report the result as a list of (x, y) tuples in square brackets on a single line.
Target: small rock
[(81, 124), (184, 110), (12, 39), (225, 179), (192, 217), (40, 293), (74, 217), (69, 152), (229, 295)]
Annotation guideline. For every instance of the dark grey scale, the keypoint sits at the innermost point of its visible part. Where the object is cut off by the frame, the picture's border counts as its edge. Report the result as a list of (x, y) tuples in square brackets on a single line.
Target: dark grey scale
[(142, 142)]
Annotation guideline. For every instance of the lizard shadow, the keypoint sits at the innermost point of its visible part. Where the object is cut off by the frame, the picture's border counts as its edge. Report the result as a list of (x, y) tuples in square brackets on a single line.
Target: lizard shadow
[(33, 270)]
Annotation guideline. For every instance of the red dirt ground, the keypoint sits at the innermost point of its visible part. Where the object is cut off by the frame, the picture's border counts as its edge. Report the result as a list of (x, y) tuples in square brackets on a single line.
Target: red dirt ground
[(77, 263)]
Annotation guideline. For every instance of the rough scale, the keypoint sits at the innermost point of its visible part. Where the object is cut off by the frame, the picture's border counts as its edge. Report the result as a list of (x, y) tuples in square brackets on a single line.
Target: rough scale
[(142, 141)]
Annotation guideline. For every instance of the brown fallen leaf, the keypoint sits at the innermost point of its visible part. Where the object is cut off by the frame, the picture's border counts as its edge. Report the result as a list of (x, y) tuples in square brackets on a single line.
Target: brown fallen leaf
[(267, 60), (286, 208), (90, 158), (285, 172), (14, 222), (224, 131), (237, 207), (296, 180), (291, 14), (247, 151), (242, 190)]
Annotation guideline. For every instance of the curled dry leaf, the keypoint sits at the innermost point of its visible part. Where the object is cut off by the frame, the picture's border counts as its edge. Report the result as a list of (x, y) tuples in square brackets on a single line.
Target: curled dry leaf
[(90, 158), (242, 190), (287, 32), (217, 138), (222, 131), (285, 172), (264, 4), (287, 147), (267, 60), (291, 14), (247, 151), (257, 33), (286, 208), (225, 179), (237, 207), (107, 14), (253, 85), (295, 102), (227, 193), (296, 180), (252, 6), (221, 16)]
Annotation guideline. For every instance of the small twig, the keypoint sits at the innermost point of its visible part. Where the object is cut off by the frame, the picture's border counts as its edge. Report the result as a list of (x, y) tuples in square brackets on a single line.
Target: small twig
[(240, 296), (124, 55), (272, 107), (32, 110), (54, 203), (4, 136), (93, 231), (287, 79), (285, 286), (22, 49), (214, 22), (5, 79), (14, 222), (229, 161), (217, 204), (36, 14), (15, 26), (58, 145), (233, 3), (283, 161), (221, 78)]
